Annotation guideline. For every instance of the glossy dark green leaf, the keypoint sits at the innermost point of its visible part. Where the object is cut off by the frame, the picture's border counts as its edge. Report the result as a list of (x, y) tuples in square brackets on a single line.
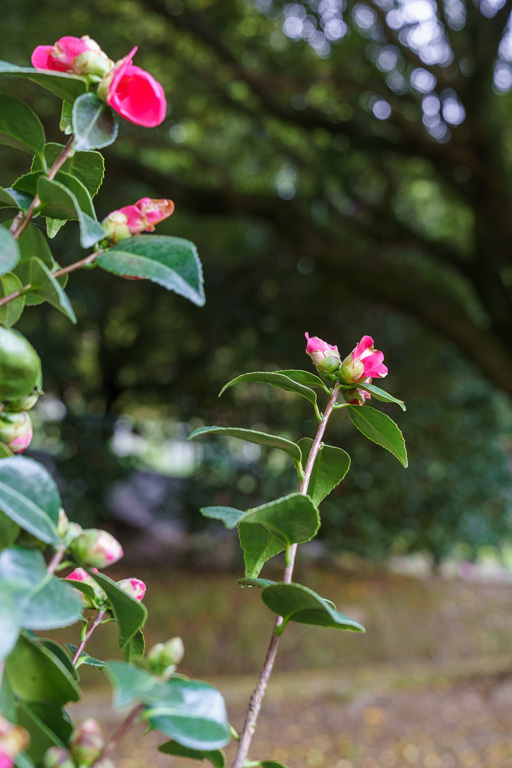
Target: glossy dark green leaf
[(55, 718), (60, 203), (42, 600), (295, 602), (130, 614), (381, 394), (216, 758), (190, 712), (87, 167), (11, 198), (67, 87), (29, 496), (277, 380), (258, 545), (62, 653), (169, 261), (36, 675), (379, 428), (20, 127), (10, 313), (48, 288), (252, 436), (306, 378), (9, 250), (94, 124), (33, 243), (330, 467)]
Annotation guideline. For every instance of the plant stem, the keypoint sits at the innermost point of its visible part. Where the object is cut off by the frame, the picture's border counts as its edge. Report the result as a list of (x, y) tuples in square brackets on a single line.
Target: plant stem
[(22, 220), (58, 273), (259, 691), (56, 559), (97, 621), (121, 732)]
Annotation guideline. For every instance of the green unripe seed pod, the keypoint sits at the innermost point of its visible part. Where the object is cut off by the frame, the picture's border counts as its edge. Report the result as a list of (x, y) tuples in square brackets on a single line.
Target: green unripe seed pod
[(20, 366)]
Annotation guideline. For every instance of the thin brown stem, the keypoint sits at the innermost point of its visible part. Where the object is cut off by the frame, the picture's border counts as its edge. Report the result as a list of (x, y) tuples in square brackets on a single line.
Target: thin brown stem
[(94, 626), (256, 699), (56, 559), (120, 733), (58, 273), (22, 220)]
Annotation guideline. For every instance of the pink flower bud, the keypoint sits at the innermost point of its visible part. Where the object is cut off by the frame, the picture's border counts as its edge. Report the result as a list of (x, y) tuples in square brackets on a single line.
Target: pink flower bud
[(86, 742), (13, 740), (96, 548), (57, 757), (139, 217), (98, 599), (325, 357), (134, 93), (65, 55), (15, 430), (133, 587)]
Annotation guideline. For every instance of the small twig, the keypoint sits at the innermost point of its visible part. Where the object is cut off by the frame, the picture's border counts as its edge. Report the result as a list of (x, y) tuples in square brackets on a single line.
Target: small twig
[(56, 559), (259, 691), (22, 220), (120, 733), (58, 273), (97, 621)]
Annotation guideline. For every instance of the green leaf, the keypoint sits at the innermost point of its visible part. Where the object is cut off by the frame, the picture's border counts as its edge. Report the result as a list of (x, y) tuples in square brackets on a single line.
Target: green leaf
[(216, 758), (379, 428), (259, 583), (306, 378), (252, 436), (20, 127), (292, 518), (33, 243), (330, 467), (11, 198), (94, 124), (22, 760), (8, 623), (10, 313), (53, 226), (381, 394), (42, 600), (87, 167), (5, 452), (65, 86), (9, 251), (66, 118), (41, 736), (36, 675), (169, 261), (47, 287), (264, 764), (62, 204), (191, 712), (130, 614), (278, 380), (84, 658), (55, 718), (29, 496), (295, 602), (258, 545), (62, 653), (9, 531), (135, 647)]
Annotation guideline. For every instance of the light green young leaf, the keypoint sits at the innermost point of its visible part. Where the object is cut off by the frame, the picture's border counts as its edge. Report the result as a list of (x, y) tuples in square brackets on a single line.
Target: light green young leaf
[(379, 428), (169, 261), (252, 436)]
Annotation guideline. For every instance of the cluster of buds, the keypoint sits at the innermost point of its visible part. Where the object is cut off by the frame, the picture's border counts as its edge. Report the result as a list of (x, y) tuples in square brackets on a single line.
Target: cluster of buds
[(134, 219), (163, 658), (85, 748), (93, 596), (95, 548), (364, 363), (20, 388), (13, 740), (131, 91)]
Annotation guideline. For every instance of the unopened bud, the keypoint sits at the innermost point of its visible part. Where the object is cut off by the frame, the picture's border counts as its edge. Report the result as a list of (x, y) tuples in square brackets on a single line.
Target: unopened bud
[(13, 740), (86, 742), (95, 596), (15, 430), (57, 757), (116, 227), (63, 523), (133, 587), (92, 63), (164, 657), (352, 369), (328, 365), (96, 548)]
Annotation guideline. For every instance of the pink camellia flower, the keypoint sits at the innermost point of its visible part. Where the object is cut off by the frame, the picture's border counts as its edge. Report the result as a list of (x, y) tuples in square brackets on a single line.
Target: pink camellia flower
[(96, 548), (364, 362), (325, 357), (133, 587), (77, 55), (134, 93)]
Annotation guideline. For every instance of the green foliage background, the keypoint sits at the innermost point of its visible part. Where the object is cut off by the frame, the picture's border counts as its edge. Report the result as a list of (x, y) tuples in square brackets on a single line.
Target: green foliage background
[(371, 241)]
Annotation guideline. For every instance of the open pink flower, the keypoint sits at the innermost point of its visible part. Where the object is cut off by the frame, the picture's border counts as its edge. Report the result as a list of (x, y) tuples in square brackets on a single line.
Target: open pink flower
[(134, 93), (62, 57), (364, 362)]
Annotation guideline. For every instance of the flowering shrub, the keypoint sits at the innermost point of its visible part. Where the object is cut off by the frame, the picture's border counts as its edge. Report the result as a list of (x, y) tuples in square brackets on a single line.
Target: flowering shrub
[(38, 543)]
